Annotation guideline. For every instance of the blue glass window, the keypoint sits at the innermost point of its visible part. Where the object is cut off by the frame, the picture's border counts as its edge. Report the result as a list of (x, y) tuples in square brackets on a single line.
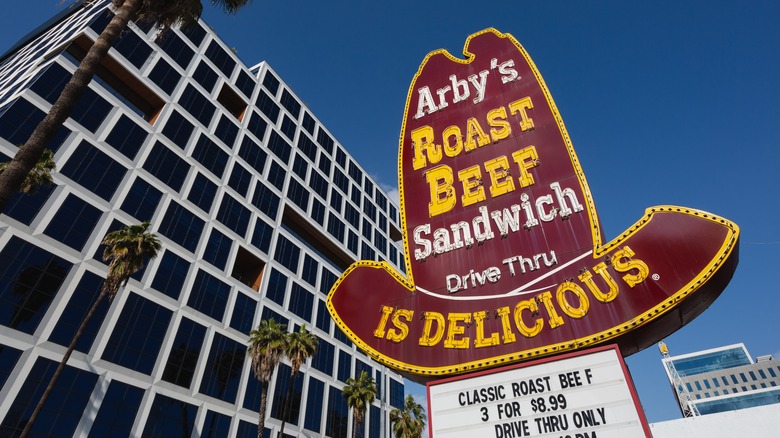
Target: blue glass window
[(341, 181), (323, 360), (257, 126), (298, 194), (366, 252), (24, 206), (223, 369), (336, 227), (30, 277), (353, 242), (352, 215), (176, 48), (252, 154), (195, 32), (287, 253), (288, 127), (94, 170), (252, 394), (117, 411), (319, 184), (19, 120), (308, 123), (267, 105), (314, 400), (133, 48), (301, 302), (171, 274), (341, 158), (210, 155), (300, 166), (216, 425), (233, 214), (138, 334), (167, 166), (217, 249), (184, 353), (369, 208), (367, 229), (197, 104), (182, 226), (323, 317), (324, 164), (327, 280), (209, 295), (73, 223), (178, 129), (291, 104), (240, 178), (203, 192), (91, 110), (308, 147), (205, 76), (78, 306), (165, 76), (286, 404), (337, 414), (8, 358), (63, 409), (261, 237), (396, 394), (325, 140), (276, 175), (310, 270), (355, 173), (265, 200), (279, 147), (226, 131), (271, 83), (169, 417), (318, 211), (220, 58), (127, 137), (345, 366), (243, 313), (142, 200), (277, 286), (245, 83)]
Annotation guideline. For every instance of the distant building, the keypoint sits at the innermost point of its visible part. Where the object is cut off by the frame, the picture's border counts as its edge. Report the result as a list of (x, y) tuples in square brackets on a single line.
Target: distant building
[(725, 379), (259, 210)]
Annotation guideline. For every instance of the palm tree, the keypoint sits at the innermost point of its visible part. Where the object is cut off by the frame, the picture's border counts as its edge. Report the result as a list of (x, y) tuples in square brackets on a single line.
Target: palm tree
[(267, 344), (127, 251), (164, 13), (301, 345), (409, 422), (360, 393), (39, 176)]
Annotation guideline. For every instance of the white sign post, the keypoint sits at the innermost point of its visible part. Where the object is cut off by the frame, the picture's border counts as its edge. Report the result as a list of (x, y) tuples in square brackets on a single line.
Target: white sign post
[(587, 394)]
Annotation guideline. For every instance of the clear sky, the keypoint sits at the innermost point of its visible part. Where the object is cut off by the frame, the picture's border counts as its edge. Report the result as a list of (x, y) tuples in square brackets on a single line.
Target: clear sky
[(667, 102)]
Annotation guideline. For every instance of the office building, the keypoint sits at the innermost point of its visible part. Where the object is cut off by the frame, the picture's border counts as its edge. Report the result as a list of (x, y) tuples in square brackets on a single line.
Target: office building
[(725, 379), (258, 208)]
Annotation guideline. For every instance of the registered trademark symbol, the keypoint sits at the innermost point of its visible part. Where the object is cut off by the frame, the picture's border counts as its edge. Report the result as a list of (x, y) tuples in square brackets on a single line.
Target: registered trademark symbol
[(656, 277)]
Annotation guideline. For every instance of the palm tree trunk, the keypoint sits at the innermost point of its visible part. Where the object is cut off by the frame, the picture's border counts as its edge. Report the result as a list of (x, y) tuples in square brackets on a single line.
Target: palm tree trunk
[(261, 414), (61, 367), (12, 178), (354, 423)]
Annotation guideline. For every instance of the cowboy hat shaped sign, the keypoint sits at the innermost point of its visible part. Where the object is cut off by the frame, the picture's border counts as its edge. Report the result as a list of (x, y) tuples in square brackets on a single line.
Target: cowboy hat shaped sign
[(505, 257)]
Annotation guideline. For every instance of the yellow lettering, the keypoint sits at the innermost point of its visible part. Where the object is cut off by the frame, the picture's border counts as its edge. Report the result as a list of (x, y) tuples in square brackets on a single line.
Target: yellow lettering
[(520, 107), (624, 266), (473, 191), (427, 340), (509, 336), (443, 196), (422, 143), (403, 329), (533, 308), (601, 269), (500, 128), (526, 158), (575, 312), (553, 317), (500, 182), (380, 330), (475, 136), (454, 329), (480, 340), (450, 149)]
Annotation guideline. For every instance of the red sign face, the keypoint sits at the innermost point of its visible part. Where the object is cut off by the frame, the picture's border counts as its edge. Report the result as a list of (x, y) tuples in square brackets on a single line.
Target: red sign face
[(505, 258)]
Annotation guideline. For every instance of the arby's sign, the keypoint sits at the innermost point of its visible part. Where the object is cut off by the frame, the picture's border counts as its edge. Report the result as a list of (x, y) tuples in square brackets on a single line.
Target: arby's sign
[(505, 257)]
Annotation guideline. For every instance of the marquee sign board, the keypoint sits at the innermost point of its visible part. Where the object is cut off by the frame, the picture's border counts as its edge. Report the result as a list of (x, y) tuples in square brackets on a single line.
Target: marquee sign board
[(504, 254), (582, 394)]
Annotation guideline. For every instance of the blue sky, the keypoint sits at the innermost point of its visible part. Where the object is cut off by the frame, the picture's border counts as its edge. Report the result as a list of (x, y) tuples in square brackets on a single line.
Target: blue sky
[(666, 103)]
